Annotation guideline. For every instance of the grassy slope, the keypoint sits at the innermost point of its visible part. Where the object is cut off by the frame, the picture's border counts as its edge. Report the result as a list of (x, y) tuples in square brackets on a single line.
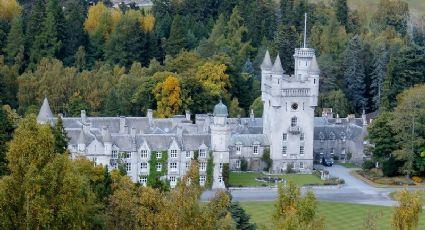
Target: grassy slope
[(337, 215), (248, 179)]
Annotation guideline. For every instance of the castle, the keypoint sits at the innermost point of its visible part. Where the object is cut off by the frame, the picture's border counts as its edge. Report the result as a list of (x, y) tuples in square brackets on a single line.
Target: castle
[(288, 129)]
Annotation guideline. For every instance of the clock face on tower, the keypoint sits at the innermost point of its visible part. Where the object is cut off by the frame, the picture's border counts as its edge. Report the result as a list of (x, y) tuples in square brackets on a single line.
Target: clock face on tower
[(294, 106)]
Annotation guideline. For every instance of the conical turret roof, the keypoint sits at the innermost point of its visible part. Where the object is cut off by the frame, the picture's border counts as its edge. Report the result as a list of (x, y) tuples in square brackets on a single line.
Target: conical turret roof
[(314, 67), (277, 67), (267, 61), (45, 113)]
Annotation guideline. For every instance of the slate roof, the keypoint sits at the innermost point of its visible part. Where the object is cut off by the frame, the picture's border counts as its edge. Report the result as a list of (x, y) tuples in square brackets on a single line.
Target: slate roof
[(267, 62), (277, 66), (45, 113), (249, 139)]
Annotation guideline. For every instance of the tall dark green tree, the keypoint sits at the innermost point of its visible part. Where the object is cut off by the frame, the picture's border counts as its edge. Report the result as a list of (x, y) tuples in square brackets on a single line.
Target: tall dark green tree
[(241, 217), (354, 73), (178, 37), (6, 129), (60, 137), (341, 11), (382, 136), (15, 40), (380, 61), (284, 44), (75, 14), (35, 21), (286, 8)]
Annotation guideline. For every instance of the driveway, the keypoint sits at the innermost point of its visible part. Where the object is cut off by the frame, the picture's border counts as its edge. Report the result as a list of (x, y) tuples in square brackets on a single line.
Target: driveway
[(353, 191)]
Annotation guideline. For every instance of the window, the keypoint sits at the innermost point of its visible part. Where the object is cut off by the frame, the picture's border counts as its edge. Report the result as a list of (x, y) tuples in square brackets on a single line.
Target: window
[(144, 166), (114, 154), (284, 150), (220, 179), (301, 150), (238, 164), (94, 161), (294, 106), (144, 154), (158, 155), (301, 165), (158, 167), (126, 155), (128, 166), (293, 121), (221, 167), (202, 180), (173, 181), (238, 149), (285, 137), (143, 180), (187, 165), (173, 166), (202, 153), (188, 154), (255, 149), (203, 166), (301, 136), (173, 153), (321, 136)]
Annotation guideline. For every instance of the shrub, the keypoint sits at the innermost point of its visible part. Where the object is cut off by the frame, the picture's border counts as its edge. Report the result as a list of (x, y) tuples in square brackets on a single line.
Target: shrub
[(417, 179), (390, 167), (290, 168), (244, 164), (367, 165)]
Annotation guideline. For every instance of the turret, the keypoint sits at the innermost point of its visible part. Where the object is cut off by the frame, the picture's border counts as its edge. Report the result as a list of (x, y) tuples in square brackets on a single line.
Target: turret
[(277, 76), (45, 115), (220, 113), (266, 68)]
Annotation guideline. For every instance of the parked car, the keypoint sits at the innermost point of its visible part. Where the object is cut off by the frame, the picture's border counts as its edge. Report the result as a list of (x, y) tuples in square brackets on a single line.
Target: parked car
[(327, 161)]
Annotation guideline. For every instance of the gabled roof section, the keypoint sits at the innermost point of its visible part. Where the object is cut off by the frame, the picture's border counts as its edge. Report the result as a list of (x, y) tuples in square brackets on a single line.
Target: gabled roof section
[(314, 67), (267, 62), (277, 67), (45, 113)]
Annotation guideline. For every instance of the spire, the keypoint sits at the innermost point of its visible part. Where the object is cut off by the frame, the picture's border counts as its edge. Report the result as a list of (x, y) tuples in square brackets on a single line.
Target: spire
[(314, 67), (267, 62), (45, 113), (305, 30), (277, 67)]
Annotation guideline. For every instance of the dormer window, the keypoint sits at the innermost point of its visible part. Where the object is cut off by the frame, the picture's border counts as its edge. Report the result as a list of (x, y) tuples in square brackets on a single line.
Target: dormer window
[(114, 154), (144, 154), (255, 149), (173, 153), (293, 121)]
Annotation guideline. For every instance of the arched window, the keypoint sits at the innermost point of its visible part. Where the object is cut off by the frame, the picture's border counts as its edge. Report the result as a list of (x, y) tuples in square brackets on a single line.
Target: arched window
[(293, 121)]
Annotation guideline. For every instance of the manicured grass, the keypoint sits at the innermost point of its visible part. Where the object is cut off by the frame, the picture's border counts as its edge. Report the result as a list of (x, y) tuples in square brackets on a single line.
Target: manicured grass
[(247, 179), (348, 165), (337, 215)]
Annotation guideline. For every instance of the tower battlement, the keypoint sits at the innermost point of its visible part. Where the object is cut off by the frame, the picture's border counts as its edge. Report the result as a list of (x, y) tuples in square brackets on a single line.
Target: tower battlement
[(304, 52)]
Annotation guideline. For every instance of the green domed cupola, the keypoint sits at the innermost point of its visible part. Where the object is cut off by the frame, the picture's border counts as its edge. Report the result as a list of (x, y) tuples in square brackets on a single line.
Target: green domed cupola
[(220, 110)]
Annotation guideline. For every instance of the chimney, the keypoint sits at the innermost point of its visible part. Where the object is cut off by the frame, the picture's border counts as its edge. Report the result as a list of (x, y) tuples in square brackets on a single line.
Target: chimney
[(83, 116), (123, 125), (150, 115), (338, 119), (251, 115), (133, 131), (188, 115), (364, 118)]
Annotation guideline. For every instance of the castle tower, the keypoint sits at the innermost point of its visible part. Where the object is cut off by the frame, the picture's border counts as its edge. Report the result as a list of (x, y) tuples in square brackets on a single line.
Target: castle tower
[(288, 116), (220, 138)]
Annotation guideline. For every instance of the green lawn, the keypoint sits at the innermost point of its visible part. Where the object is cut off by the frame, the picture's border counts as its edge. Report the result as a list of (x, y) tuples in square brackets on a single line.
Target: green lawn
[(247, 179), (337, 215)]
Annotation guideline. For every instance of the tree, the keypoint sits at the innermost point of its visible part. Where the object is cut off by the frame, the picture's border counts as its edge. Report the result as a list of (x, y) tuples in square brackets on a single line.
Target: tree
[(406, 215), (35, 22), (257, 107), (15, 40), (8, 84), (382, 136), (167, 95), (213, 78), (341, 8), (60, 137), (177, 39), (295, 212), (234, 109), (407, 124), (336, 100), (6, 129), (9, 9), (380, 61), (393, 14), (355, 73), (240, 217), (284, 43)]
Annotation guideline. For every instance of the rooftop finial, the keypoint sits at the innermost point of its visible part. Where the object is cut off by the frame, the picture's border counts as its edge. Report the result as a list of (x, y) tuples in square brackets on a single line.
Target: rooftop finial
[(305, 30)]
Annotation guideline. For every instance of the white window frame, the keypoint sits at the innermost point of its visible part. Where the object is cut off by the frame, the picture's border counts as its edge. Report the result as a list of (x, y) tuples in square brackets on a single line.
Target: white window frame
[(128, 166), (301, 165), (284, 137), (238, 164), (158, 167), (202, 153), (203, 166), (173, 181), (144, 154), (173, 153), (114, 154), (302, 150), (173, 167), (202, 180), (220, 179), (284, 150), (143, 180), (127, 155), (158, 155), (238, 149), (255, 149), (144, 166), (188, 154), (302, 137), (294, 121)]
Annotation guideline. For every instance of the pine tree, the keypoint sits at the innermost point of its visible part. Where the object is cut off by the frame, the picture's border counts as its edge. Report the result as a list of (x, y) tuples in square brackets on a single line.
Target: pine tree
[(15, 40), (285, 43), (75, 14), (178, 37), (341, 8), (241, 217), (355, 73), (35, 22), (380, 61), (60, 137), (286, 7)]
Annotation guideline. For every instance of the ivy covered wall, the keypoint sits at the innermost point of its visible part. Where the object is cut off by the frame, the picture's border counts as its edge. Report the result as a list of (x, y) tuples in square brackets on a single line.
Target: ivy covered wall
[(154, 177)]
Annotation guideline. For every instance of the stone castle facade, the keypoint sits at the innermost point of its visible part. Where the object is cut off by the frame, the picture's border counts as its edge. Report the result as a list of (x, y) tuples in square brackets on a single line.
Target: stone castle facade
[(288, 129)]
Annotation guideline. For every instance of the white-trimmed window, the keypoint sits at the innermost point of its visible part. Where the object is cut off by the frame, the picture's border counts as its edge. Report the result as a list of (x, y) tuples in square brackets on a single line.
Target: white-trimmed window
[(301, 165), (144, 154), (255, 149), (187, 165), (302, 137), (114, 154), (126, 155), (238, 164), (203, 166), (293, 121), (158, 167), (284, 150), (173, 181), (173, 166), (284, 137), (173, 153), (144, 166), (301, 150), (221, 167), (220, 179), (188, 154), (143, 180), (202, 153), (202, 180), (238, 149), (128, 167), (158, 155)]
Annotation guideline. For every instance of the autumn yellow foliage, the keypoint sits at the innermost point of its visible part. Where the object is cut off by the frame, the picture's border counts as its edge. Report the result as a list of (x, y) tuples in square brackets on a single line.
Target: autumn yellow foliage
[(213, 78), (147, 23), (9, 9), (94, 15), (167, 94), (406, 215)]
